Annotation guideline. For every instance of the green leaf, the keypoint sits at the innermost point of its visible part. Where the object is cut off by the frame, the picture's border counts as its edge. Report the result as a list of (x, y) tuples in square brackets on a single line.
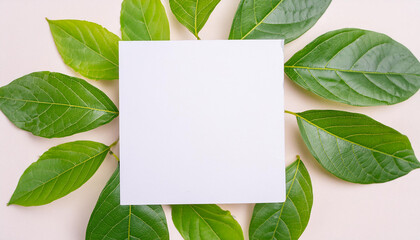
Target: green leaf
[(205, 222), (58, 172), (193, 14), (356, 67), (285, 220), (276, 19), (110, 220), (356, 148), (51, 104), (144, 20), (87, 47)]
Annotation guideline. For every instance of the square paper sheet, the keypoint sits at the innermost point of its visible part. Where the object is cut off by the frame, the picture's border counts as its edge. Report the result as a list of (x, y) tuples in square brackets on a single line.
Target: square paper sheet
[(202, 122)]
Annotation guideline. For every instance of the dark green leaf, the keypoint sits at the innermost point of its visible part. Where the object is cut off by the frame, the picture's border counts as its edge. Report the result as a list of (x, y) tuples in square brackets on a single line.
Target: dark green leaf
[(356, 148), (110, 220), (193, 14), (87, 47), (278, 19), (144, 20), (55, 105), (205, 222), (356, 67), (285, 220), (58, 172)]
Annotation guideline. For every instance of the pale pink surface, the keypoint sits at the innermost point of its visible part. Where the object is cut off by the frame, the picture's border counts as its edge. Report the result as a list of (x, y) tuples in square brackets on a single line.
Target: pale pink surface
[(341, 210)]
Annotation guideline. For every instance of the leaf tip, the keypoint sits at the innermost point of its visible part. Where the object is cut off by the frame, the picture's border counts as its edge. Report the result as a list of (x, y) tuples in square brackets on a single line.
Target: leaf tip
[(10, 202), (50, 22)]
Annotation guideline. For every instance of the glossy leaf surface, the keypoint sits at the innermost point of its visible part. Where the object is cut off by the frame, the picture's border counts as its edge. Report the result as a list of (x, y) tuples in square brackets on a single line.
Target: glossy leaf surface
[(285, 220), (356, 67), (51, 104), (205, 222), (110, 220), (356, 148), (87, 47), (144, 20), (58, 172), (193, 14), (276, 19)]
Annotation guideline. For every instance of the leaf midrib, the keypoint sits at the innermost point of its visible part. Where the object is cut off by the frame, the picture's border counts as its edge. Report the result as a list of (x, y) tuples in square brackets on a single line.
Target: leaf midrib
[(99, 54), (287, 196), (262, 20), (195, 18), (351, 71), (371, 149), (59, 104), (204, 220), (145, 22), (129, 222), (43, 184)]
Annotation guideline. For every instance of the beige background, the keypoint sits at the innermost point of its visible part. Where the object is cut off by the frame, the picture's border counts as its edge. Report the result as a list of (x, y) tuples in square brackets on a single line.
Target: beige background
[(341, 210)]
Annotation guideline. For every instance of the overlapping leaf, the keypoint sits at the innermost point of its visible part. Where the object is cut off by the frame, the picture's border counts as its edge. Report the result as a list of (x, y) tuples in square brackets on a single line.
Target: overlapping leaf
[(356, 67), (58, 172), (278, 19), (193, 14), (144, 20), (110, 220), (285, 220), (55, 105), (355, 147), (205, 222), (87, 47)]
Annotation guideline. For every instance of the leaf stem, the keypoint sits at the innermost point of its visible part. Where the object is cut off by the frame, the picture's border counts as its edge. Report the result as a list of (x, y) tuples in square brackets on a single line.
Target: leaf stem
[(111, 152), (114, 143), (115, 156), (289, 112)]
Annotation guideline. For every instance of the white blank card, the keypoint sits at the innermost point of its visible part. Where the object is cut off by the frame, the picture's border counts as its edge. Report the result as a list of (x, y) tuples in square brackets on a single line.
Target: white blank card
[(201, 122)]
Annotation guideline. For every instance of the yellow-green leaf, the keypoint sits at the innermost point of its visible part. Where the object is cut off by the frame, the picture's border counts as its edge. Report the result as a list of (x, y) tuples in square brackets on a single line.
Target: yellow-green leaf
[(87, 47), (58, 172), (144, 20), (205, 222), (193, 14)]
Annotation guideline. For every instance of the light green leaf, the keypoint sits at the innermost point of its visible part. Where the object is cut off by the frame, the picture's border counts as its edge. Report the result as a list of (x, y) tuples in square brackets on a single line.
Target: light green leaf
[(276, 19), (51, 104), (58, 172), (193, 14), (110, 220), (285, 220), (356, 67), (356, 148), (205, 222), (87, 47), (144, 20)]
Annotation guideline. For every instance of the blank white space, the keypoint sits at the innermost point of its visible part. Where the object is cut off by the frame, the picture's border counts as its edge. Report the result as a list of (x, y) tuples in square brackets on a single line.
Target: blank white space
[(201, 122)]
